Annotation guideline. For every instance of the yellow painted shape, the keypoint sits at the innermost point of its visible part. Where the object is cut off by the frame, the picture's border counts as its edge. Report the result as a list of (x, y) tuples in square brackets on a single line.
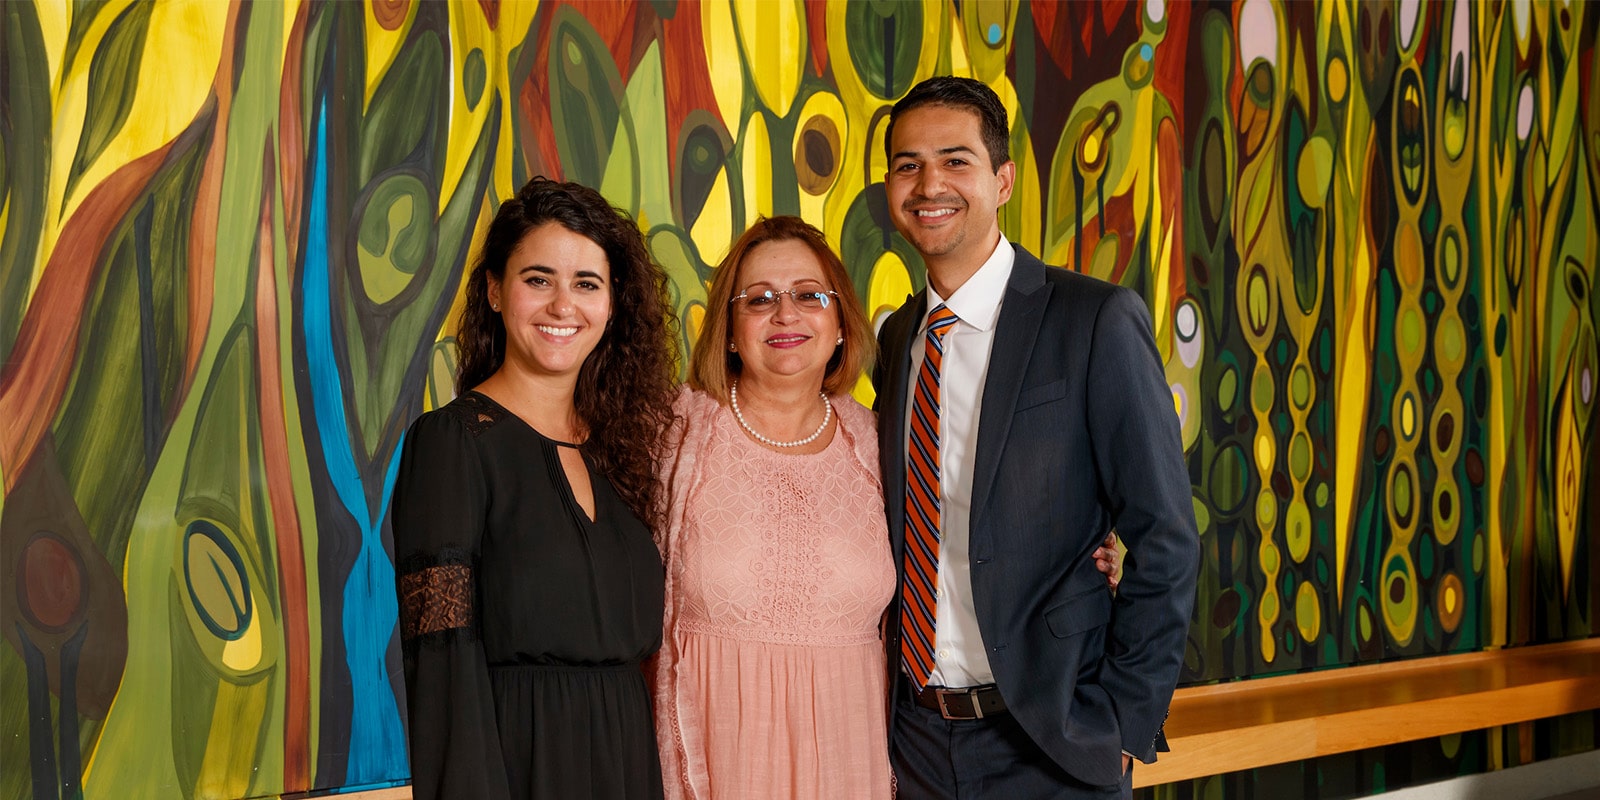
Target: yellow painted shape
[(863, 391), (713, 231), (696, 319), (1569, 484), (826, 104), (1353, 374), (757, 162), (383, 45), (54, 19), (236, 725), (1338, 79), (724, 66), (1267, 511), (1161, 268), (181, 55), (814, 208), (889, 287), (1315, 171), (1267, 615), (960, 59), (988, 62), (1297, 529), (382, 281), (244, 653), (1400, 618), (287, 11), (1307, 612), (469, 29), (772, 34), (1021, 218)]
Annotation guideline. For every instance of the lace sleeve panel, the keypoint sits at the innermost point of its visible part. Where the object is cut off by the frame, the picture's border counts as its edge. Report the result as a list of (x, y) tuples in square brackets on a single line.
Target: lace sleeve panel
[(436, 598), (438, 511)]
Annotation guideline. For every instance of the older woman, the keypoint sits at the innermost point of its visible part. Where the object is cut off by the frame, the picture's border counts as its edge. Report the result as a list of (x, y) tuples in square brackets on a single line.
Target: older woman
[(530, 588), (771, 680)]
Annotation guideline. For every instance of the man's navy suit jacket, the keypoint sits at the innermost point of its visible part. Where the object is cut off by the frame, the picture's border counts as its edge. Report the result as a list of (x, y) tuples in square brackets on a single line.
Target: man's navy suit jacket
[(1076, 435)]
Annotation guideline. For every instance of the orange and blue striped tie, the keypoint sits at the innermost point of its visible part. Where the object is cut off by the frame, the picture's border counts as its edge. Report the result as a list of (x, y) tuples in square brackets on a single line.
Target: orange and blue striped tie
[(919, 609)]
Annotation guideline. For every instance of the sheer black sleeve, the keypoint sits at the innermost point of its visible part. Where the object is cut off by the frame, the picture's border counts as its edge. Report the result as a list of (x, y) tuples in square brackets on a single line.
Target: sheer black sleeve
[(439, 511)]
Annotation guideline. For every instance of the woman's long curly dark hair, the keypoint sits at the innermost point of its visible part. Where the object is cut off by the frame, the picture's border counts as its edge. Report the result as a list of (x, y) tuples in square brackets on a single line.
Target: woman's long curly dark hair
[(626, 386)]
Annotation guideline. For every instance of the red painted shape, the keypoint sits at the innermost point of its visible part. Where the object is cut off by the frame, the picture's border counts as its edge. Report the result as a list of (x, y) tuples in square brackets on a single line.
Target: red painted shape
[(683, 68), (51, 582), (292, 596), (817, 34), (491, 12)]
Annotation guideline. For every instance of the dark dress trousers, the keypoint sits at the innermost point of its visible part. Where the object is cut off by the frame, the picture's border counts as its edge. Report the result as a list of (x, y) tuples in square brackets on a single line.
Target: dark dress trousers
[(1076, 435)]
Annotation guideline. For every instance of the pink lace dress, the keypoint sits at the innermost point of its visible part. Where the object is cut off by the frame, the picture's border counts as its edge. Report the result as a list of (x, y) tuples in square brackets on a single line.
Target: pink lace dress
[(770, 680)]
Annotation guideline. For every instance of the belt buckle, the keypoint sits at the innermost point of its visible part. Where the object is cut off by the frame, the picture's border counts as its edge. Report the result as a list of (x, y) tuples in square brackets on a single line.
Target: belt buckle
[(972, 697)]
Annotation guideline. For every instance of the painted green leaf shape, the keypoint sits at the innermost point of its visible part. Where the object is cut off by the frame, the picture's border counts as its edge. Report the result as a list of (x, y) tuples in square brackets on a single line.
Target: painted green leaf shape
[(702, 155), (111, 421), (585, 102), (474, 76), (886, 72), (383, 361), (686, 276), (24, 175), (113, 82), (863, 240), (637, 179), (223, 451), (84, 13), (406, 105)]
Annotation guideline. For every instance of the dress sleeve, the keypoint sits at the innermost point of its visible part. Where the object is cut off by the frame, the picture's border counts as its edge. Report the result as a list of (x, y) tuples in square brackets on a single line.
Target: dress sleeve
[(440, 503)]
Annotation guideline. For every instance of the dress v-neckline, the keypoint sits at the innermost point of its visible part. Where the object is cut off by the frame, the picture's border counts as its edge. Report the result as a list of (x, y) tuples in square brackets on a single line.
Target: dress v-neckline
[(558, 469)]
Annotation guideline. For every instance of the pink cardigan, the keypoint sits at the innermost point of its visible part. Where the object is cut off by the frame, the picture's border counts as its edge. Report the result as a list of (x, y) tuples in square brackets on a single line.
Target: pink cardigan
[(682, 470)]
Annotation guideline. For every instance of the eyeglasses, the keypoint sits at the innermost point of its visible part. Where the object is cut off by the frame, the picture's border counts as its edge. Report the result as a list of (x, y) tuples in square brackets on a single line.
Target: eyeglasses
[(765, 301)]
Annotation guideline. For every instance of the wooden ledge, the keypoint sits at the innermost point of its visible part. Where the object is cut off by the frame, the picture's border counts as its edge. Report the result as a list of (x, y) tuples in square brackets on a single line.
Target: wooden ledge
[(1246, 724), (1253, 723)]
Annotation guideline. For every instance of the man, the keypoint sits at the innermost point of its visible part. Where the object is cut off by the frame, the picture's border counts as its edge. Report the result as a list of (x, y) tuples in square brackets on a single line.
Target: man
[(1013, 434)]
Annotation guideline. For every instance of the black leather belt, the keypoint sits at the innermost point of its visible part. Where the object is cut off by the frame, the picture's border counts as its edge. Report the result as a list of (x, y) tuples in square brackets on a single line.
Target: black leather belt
[(974, 702)]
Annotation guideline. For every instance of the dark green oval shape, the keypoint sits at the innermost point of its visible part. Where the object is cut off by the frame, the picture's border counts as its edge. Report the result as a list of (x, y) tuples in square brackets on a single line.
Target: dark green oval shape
[(885, 41), (474, 75)]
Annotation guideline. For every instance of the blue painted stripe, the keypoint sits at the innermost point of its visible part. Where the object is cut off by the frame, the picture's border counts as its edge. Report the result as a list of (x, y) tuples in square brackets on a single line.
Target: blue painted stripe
[(377, 741)]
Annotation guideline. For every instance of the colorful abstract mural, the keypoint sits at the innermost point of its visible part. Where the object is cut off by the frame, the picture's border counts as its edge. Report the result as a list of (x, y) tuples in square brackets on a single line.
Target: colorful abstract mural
[(235, 235)]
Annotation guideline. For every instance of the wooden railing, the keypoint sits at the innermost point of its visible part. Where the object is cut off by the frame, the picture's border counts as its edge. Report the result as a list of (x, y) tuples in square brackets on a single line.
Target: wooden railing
[(1255, 723)]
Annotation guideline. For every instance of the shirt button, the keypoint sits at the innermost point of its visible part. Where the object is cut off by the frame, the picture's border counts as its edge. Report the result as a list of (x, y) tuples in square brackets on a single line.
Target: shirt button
[(944, 655), (938, 594)]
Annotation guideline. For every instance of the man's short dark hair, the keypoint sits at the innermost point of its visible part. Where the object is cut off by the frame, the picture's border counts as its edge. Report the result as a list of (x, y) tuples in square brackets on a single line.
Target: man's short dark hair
[(962, 93)]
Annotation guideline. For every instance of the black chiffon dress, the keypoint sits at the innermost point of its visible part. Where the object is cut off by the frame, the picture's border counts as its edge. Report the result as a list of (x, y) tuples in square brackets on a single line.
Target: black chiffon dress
[(523, 622)]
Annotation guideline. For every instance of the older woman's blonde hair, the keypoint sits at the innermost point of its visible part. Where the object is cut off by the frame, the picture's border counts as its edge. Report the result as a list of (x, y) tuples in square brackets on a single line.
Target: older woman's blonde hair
[(713, 367)]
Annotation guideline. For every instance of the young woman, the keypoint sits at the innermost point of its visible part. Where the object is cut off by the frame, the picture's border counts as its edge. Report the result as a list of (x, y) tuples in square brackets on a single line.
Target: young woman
[(530, 589)]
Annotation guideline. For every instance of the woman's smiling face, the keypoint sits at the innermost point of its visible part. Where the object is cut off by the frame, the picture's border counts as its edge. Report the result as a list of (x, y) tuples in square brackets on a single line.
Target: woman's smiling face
[(784, 340), (555, 299)]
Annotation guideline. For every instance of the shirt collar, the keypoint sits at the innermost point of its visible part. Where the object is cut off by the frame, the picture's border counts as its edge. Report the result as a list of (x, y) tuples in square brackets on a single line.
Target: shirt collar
[(977, 302)]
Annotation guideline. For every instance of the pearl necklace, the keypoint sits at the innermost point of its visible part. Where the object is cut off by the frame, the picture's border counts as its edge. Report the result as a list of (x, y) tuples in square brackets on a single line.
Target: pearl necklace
[(827, 415)]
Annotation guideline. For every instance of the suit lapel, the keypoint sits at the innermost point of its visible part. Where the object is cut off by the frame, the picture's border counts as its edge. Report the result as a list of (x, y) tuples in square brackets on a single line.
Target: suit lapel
[(1021, 315)]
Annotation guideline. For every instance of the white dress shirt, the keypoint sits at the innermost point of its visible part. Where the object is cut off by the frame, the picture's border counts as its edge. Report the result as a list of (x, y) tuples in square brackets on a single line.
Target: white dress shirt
[(959, 656)]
